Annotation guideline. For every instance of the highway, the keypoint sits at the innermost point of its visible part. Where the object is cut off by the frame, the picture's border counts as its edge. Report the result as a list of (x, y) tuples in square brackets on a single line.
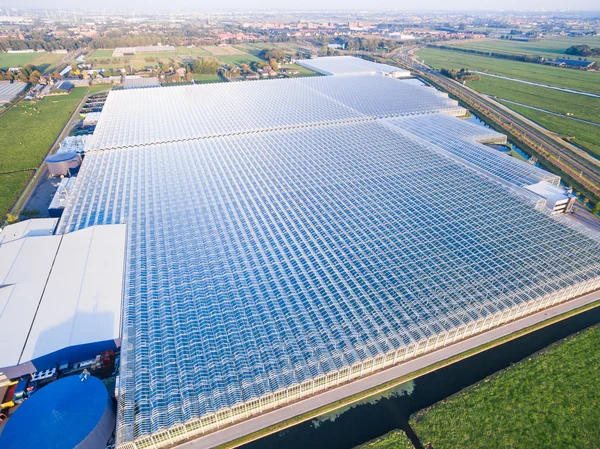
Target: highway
[(572, 161), (244, 428)]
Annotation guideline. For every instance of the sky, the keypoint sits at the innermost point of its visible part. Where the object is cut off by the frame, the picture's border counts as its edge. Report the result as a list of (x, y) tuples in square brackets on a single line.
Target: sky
[(206, 5)]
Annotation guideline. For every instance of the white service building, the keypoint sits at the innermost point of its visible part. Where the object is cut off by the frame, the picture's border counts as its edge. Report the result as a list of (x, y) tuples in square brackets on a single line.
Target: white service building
[(60, 295)]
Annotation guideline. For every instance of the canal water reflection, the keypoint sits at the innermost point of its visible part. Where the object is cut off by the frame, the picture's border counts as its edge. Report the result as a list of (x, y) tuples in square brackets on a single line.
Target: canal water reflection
[(364, 422)]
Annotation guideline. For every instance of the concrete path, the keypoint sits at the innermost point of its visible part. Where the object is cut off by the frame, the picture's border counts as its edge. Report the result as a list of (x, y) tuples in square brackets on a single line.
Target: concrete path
[(276, 416)]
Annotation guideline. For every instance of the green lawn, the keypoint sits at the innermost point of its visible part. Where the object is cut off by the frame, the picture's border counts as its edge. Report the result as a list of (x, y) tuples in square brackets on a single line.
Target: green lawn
[(100, 88), (100, 53), (303, 70), (202, 79), (553, 76), (238, 59), (547, 401), (549, 48), (41, 60), (580, 106), (396, 439), (28, 130), (11, 186)]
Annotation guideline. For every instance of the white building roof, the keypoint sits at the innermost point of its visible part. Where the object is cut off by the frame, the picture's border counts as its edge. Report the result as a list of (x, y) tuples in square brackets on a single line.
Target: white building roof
[(349, 65), (8, 91), (82, 300), (24, 267), (28, 228), (137, 82), (548, 191), (58, 291)]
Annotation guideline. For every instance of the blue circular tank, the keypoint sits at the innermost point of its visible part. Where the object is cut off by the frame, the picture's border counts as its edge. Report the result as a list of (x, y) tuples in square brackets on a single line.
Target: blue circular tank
[(73, 412)]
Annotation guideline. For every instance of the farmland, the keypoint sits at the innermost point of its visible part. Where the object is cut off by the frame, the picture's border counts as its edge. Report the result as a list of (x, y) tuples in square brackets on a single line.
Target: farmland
[(549, 48), (537, 73), (231, 55), (579, 106), (42, 60), (28, 131), (549, 400)]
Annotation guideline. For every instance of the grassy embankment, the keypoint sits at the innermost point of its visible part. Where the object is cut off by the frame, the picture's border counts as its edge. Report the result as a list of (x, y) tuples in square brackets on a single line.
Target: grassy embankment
[(580, 106), (548, 400), (27, 132), (548, 48)]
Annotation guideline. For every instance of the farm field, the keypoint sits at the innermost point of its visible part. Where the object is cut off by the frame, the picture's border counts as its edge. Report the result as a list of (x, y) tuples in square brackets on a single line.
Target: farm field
[(537, 73), (41, 60), (238, 59), (580, 106), (581, 134), (549, 400), (549, 48), (103, 58), (27, 132)]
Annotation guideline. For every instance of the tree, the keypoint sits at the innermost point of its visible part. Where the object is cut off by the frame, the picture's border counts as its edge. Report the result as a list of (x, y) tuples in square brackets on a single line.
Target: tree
[(274, 64), (34, 77)]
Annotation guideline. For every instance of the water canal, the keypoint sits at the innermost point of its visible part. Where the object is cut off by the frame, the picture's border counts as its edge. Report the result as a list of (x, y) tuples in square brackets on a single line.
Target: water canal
[(359, 424)]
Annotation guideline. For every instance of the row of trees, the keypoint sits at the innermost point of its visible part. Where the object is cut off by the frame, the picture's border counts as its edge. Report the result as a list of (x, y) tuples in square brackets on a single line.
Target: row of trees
[(48, 44), (460, 75), (205, 66), (582, 50), (27, 74)]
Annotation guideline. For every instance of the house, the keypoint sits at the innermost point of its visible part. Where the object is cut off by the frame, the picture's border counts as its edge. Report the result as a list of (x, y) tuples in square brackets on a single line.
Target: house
[(574, 63), (181, 72), (252, 76), (62, 88)]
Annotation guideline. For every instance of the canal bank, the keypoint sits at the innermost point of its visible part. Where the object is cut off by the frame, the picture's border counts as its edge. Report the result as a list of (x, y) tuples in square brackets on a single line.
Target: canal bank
[(369, 420)]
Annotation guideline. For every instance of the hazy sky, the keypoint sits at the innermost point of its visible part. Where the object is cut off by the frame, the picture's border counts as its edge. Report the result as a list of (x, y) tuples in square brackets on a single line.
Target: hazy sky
[(492, 5)]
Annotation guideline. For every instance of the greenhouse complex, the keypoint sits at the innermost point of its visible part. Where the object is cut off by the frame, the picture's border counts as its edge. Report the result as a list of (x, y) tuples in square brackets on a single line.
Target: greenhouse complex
[(291, 235)]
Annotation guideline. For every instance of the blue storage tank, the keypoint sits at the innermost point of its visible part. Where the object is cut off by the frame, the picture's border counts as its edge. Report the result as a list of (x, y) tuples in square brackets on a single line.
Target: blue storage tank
[(73, 412)]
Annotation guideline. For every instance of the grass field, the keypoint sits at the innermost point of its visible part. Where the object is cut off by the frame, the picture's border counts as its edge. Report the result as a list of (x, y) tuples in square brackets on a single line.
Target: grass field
[(223, 51), (581, 134), (202, 79), (41, 60), (547, 401), (238, 59), (580, 106), (538, 73), (11, 186), (396, 439), (27, 132), (549, 48)]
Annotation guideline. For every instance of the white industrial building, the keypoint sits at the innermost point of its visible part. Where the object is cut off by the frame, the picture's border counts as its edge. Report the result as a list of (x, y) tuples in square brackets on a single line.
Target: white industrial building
[(558, 199), (60, 295)]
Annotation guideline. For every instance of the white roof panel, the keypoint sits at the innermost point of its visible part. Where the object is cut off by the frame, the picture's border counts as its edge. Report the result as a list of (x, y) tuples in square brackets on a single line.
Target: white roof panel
[(24, 268), (28, 228), (349, 65), (82, 300)]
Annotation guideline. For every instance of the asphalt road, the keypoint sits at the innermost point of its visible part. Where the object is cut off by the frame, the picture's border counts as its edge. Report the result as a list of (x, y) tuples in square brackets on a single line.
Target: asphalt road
[(257, 423)]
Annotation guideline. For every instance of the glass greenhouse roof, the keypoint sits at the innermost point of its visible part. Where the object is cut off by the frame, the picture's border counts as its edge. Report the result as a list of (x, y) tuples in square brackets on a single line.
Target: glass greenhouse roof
[(348, 65), (257, 261), (171, 114)]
